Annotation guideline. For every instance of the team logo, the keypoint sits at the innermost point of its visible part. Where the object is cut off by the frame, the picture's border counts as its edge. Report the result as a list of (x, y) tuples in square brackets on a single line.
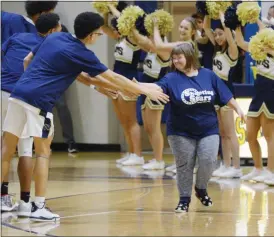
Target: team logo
[(191, 96)]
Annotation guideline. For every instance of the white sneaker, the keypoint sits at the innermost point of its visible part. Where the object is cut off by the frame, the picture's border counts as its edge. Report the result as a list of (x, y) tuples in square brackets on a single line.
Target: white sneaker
[(154, 165), (134, 160), (174, 171), (254, 173), (8, 203), (265, 175), (24, 209), (220, 171), (154, 174), (124, 158), (231, 173), (42, 214), (171, 168), (270, 181)]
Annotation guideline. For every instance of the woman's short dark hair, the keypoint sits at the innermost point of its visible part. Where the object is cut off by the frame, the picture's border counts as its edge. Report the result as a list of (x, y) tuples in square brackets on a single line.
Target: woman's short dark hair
[(187, 49)]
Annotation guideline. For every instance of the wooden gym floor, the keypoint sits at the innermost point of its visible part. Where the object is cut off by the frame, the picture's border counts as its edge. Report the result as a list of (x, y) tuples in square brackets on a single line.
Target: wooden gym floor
[(94, 197)]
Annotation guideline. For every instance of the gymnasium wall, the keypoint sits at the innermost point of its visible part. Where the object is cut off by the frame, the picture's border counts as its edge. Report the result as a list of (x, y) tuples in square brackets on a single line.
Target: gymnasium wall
[(93, 117)]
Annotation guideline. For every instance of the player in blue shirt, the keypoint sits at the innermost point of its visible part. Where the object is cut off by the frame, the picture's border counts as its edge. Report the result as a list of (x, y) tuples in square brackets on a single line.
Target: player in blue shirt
[(261, 114), (51, 68), (14, 50), (224, 63), (12, 23), (192, 125), (127, 56)]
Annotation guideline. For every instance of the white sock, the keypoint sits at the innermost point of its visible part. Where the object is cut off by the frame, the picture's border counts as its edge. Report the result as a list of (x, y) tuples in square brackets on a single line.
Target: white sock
[(39, 201)]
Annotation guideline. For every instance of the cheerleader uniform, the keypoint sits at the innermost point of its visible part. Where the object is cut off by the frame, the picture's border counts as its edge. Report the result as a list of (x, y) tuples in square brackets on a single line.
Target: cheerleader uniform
[(263, 100), (127, 57), (154, 69), (224, 66)]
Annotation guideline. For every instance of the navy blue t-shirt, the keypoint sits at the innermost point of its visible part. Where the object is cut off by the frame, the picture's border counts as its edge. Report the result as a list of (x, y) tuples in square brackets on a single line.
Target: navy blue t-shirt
[(192, 112), (57, 61), (12, 23), (14, 50)]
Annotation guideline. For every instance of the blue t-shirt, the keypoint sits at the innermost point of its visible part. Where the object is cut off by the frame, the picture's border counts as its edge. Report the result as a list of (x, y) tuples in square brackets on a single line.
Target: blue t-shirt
[(12, 23), (57, 61), (192, 112), (14, 50)]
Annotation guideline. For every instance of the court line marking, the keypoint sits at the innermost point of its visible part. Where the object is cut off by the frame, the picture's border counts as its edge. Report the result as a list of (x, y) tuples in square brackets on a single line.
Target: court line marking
[(89, 214), (106, 191), (29, 231)]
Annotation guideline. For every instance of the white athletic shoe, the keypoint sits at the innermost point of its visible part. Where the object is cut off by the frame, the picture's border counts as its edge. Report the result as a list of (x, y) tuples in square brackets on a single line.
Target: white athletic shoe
[(154, 165), (42, 214), (254, 173), (220, 171), (134, 160), (24, 209), (231, 173), (8, 203), (154, 174), (270, 181), (171, 168), (174, 171), (265, 175), (124, 158)]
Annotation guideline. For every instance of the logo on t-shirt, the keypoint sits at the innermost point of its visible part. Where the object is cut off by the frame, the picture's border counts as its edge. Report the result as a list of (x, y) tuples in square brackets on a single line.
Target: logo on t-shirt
[(191, 96)]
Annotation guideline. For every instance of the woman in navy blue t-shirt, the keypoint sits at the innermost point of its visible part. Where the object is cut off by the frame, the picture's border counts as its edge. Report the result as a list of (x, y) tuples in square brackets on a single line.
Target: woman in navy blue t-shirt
[(192, 124)]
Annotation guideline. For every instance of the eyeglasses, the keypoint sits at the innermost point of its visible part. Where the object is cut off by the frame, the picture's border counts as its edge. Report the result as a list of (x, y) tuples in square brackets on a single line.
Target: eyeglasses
[(97, 33)]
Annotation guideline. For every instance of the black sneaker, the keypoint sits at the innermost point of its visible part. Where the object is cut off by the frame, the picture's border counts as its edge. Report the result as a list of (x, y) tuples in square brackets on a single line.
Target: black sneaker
[(182, 207), (202, 195), (72, 148)]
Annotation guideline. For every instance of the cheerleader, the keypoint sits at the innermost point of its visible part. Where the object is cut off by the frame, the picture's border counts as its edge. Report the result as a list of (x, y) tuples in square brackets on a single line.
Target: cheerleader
[(224, 63), (261, 114), (127, 54), (156, 65)]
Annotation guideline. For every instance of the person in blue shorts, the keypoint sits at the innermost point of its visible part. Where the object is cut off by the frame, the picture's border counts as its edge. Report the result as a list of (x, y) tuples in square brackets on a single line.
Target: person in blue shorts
[(192, 124), (50, 68), (14, 50), (12, 23)]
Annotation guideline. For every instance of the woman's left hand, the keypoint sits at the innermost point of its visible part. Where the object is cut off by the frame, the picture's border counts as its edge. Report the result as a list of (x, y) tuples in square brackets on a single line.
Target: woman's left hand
[(241, 115)]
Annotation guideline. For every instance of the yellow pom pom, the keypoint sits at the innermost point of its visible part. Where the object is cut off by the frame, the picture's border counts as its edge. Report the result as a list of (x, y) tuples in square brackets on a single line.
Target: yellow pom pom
[(215, 7), (128, 18), (102, 6), (248, 12), (258, 42), (165, 22)]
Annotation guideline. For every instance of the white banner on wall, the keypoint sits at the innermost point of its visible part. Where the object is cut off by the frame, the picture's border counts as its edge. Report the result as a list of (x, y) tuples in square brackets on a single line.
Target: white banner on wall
[(241, 132)]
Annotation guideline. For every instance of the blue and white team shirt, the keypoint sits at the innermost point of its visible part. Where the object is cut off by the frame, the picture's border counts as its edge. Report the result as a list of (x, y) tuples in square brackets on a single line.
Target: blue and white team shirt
[(192, 112), (57, 61), (223, 66), (127, 56), (14, 50), (12, 23)]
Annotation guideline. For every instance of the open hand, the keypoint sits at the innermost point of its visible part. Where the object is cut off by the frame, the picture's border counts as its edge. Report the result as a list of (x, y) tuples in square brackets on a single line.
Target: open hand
[(157, 95)]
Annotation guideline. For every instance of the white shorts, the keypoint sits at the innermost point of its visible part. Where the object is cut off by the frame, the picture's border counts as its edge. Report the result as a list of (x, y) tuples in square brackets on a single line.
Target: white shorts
[(25, 144), (24, 120)]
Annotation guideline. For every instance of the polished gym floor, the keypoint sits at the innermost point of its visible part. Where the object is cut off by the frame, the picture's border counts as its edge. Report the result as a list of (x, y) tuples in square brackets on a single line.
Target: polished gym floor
[(95, 197)]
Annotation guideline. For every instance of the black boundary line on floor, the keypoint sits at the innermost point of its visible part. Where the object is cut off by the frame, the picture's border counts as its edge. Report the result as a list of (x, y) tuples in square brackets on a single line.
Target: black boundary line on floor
[(88, 147), (29, 231), (106, 191), (116, 190)]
